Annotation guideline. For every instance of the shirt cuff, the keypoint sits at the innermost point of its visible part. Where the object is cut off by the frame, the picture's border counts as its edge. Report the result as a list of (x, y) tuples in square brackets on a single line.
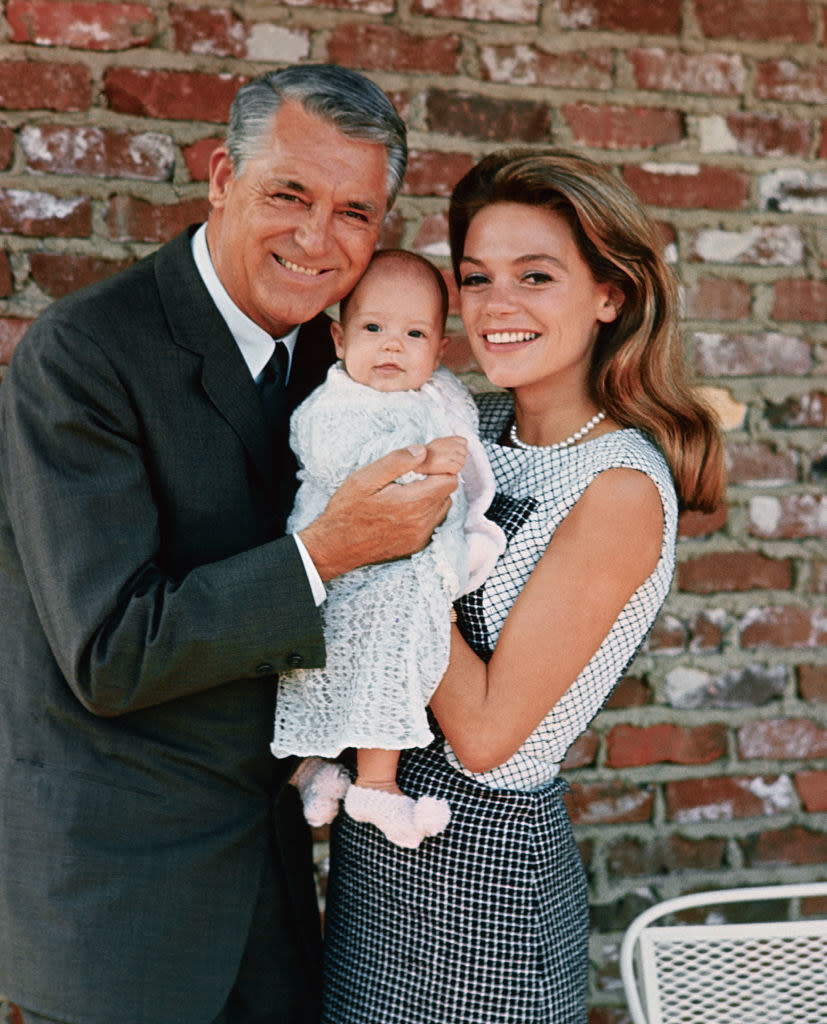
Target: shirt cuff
[(317, 587)]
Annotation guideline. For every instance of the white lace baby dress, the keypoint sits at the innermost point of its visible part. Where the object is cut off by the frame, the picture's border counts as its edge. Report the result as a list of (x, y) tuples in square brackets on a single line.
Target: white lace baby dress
[(386, 626)]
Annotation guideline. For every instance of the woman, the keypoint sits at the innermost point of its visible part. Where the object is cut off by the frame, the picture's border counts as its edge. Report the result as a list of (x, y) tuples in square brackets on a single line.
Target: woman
[(595, 443)]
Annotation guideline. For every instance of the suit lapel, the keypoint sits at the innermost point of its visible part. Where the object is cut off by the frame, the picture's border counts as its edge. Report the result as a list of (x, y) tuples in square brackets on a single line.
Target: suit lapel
[(196, 325)]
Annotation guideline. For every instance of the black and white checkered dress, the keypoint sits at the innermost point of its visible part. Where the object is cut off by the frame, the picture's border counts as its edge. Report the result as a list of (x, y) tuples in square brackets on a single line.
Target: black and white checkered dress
[(487, 923)]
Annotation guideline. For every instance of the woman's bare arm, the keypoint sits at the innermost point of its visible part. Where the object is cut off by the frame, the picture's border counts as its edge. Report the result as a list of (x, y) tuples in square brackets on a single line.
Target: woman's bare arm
[(599, 555)]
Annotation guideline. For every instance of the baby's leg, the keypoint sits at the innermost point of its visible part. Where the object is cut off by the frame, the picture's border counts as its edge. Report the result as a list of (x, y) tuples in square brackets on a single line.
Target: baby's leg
[(376, 769), (375, 797)]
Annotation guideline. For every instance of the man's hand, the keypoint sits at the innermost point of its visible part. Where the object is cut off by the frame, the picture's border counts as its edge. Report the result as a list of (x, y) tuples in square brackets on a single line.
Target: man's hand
[(371, 518)]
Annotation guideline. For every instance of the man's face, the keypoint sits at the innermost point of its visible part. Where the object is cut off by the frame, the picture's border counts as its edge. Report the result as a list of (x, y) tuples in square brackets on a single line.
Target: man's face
[(295, 230)]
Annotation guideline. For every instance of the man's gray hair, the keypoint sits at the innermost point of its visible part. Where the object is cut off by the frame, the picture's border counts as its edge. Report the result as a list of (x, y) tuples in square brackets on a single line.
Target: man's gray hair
[(351, 102)]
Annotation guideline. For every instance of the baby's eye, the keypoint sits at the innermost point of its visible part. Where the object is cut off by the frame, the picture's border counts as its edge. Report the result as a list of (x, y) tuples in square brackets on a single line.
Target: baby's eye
[(416, 333), (373, 328)]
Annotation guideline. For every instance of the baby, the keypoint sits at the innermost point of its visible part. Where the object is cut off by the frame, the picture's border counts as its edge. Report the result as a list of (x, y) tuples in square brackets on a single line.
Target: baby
[(387, 626)]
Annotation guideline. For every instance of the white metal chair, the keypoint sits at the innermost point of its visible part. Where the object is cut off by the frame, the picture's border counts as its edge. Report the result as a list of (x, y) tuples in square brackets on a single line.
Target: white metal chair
[(773, 972)]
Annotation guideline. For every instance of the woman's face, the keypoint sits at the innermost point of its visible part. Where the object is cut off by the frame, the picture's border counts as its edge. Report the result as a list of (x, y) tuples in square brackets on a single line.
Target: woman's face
[(529, 302)]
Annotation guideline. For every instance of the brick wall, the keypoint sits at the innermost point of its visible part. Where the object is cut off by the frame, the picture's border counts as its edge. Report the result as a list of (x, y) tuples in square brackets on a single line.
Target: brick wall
[(709, 767)]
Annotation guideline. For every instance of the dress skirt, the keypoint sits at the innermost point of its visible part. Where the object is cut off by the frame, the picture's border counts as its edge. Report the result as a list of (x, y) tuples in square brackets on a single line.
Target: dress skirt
[(486, 923)]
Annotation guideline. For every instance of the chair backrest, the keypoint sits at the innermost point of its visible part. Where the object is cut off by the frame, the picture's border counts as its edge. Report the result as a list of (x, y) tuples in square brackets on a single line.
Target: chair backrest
[(773, 972)]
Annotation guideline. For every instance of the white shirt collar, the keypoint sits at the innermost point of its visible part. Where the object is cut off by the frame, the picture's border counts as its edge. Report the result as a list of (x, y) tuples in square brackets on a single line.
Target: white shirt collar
[(255, 344)]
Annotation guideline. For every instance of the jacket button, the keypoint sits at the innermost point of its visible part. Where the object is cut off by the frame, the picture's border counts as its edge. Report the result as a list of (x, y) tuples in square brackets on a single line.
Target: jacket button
[(295, 660), (265, 669)]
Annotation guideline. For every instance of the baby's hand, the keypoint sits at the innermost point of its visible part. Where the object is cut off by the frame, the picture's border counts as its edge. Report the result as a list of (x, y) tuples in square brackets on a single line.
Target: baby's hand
[(445, 455)]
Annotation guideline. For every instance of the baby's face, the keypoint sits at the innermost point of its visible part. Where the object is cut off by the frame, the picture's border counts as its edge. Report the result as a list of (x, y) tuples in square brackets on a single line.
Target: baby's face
[(392, 337)]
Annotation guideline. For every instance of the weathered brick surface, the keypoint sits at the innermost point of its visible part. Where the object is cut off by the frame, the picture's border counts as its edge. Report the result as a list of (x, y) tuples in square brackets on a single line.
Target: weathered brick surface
[(707, 765), (90, 26), (30, 86)]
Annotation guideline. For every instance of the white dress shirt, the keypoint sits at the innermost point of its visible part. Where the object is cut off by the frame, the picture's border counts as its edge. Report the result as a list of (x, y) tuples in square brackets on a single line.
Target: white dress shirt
[(256, 347)]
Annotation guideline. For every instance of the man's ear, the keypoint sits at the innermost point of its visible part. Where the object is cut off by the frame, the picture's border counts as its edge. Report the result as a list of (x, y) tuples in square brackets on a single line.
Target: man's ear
[(221, 175), (338, 335)]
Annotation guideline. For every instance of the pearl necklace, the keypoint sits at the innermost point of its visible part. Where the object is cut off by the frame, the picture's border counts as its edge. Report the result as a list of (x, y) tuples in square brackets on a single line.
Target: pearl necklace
[(570, 440)]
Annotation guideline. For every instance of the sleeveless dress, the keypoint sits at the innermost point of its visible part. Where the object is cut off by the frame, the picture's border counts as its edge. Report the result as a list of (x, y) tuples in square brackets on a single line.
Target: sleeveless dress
[(487, 923)]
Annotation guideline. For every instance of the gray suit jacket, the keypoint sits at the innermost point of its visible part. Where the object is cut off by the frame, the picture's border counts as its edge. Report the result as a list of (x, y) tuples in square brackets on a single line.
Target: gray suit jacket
[(147, 599)]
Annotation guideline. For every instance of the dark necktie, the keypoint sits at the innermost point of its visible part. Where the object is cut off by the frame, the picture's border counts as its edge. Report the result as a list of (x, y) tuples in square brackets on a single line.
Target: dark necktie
[(272, 388)]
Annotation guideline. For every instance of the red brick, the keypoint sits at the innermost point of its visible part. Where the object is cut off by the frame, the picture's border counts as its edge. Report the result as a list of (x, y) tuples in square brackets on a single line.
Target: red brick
[(12, 329), (85, 26), (789, 82), (601, 1015), (726, 798), (6, 279), (630, 692), (781, 739), (6, 146), (131, 219), (391, 231), (706, 630), (38, 214), (582, 752), (703, 524), (788, 20), (751, 355), (734, 571), (812, 682), (173, 95), (797, 411), (764, 245), (757, 463), (720, 74), (601, 803), (793, 516), (519, 12), (615, 127), (55, 149), (217, 33), (352, 6), (59, 274), (663, 19), (717, 298), (668, 636), (663, 855), (432, 236), (749, 687), (469, 115), (690, 186), (521, 64), (800, 299), (385, 47), (25, 85), (629, 746), (783, 626), (792, 190), (812, 790), (431, 173), (197, 157), (794, 845), (768, 135)]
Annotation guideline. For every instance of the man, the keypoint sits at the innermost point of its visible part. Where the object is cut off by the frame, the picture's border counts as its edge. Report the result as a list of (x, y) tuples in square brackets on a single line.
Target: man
[(154, 869)]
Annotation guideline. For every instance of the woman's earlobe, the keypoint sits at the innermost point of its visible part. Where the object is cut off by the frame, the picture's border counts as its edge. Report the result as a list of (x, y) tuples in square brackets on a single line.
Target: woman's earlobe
[(612, 304)]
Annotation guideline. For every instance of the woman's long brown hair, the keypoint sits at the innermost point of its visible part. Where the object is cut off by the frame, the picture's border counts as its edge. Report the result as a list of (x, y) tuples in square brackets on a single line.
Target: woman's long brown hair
[(638, 374)]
